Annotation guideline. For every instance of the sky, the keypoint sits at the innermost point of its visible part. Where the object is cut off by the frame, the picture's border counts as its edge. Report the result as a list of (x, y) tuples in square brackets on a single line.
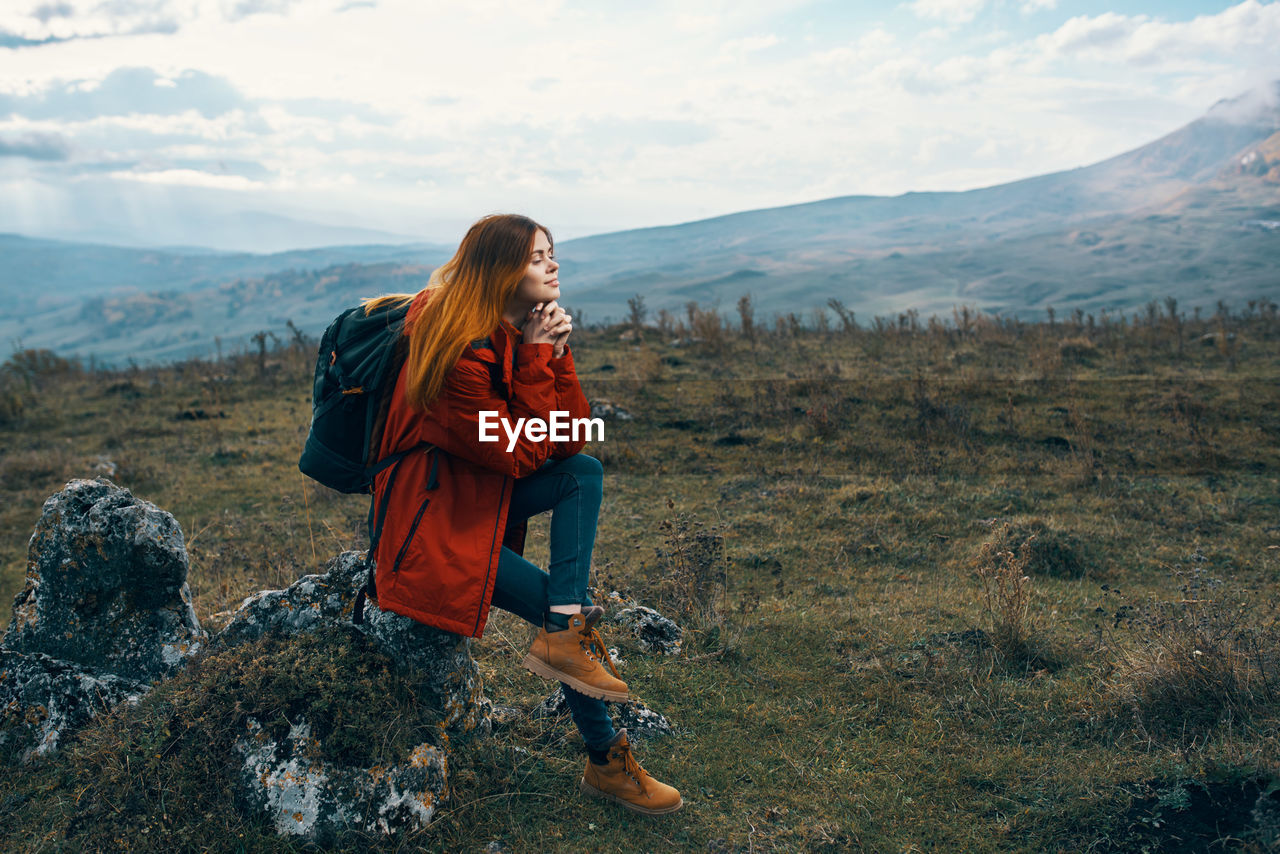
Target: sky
[(416, 117)]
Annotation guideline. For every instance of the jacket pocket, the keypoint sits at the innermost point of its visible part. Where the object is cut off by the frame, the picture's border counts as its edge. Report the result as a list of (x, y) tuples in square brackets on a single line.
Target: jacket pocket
[(413, 529)]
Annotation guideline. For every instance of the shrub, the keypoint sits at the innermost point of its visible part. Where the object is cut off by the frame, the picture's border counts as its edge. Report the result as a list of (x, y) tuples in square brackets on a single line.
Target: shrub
[(934, 417), (1077, 349), (692, 585), (34, 366), (12, 400), (1211, 655), (1047, 551), (1006, 592)]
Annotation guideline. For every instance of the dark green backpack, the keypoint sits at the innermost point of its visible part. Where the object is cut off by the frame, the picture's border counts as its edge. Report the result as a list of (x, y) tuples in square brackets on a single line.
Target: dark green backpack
[(356, 371)]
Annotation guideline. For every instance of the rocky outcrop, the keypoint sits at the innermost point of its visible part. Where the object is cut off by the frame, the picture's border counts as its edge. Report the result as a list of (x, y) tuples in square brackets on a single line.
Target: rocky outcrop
[(104, 612), (652, 631), (633, 715), (42, 699), (609, 411), (439, 663), (106, 585), (303, 795)]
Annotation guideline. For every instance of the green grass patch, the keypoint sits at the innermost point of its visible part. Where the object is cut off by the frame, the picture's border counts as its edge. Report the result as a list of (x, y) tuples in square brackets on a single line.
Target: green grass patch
[(820, 510)]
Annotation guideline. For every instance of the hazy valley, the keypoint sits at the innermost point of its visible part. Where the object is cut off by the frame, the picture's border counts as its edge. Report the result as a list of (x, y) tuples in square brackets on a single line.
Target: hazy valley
[(1192, 215)]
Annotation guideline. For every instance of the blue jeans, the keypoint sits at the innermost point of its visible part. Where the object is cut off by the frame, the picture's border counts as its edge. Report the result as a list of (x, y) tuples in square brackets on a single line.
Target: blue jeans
[(572, 490)]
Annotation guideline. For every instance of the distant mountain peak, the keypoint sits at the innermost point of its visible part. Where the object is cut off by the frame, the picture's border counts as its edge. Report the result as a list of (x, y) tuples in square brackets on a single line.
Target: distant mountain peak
[(1260, 105)]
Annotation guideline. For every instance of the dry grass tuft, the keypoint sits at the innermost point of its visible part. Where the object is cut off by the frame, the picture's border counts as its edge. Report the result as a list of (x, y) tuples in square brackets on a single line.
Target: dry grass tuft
[(1077, 349), (1006, 591), (692, 582), (1210, 656), (1045, 550)]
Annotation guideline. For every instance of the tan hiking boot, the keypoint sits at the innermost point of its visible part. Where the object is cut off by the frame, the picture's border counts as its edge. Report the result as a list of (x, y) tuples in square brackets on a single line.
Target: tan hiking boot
[(625, 782), (577, 657)]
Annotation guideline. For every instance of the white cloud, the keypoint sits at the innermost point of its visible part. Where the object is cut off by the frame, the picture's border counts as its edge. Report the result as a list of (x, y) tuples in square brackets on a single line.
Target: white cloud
[(738, 50), (951, 11), (75, 19), (612, 116), (80, 19), (873, 46), (1082, 34), (1030, 7), (1246, 33), (191, 178)]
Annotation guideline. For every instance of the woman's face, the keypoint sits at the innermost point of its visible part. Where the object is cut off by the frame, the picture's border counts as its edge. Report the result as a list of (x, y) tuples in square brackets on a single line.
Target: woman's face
[(540, 283)]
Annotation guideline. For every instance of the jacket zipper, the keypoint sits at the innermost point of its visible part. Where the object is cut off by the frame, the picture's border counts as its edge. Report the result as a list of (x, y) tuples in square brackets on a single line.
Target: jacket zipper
[(489, 570), (404, 547)]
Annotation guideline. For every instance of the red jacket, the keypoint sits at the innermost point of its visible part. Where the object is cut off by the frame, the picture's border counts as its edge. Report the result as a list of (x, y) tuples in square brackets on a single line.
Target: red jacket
[(437, 557)]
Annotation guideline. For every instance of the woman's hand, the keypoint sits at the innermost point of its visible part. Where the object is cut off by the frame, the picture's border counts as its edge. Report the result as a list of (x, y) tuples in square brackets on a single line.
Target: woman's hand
[(548, 324)]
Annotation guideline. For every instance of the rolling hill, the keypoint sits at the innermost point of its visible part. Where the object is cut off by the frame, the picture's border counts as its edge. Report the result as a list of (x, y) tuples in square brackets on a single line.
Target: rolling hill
[(1194, 215)]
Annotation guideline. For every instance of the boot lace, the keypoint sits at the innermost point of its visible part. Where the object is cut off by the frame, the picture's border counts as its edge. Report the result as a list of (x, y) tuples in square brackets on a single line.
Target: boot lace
[(631, 766), (594, 646)]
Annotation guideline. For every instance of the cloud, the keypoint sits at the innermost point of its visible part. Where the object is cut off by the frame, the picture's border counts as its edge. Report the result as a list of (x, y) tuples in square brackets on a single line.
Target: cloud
[(12, 40), (128, 91), (190, 178), (68, 20), (871, 47), (605, 117), (736, 50), (1250, 107), (951, 11), (616, 130), (1248, 31), (245, 8), (45, 12), (1083, 34), (334, 109), (36, 146)]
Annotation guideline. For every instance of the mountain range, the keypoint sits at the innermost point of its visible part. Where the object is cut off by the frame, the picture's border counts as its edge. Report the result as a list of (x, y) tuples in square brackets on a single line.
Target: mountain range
[(1194, 215)]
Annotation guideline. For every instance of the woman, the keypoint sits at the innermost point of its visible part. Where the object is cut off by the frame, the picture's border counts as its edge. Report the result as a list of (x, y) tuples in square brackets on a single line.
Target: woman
[(488, 344)]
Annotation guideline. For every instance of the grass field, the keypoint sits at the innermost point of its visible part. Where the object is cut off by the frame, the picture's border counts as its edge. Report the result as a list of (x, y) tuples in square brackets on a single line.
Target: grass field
[(973, 585)]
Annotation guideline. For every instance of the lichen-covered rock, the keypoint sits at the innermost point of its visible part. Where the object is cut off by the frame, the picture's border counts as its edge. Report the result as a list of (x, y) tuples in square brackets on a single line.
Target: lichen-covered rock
[(501, 717), (654, 632), (605, 409), (439, 662), (43, 700), (638, 719), (306, 796), (553, 705), (1266, 820), (106, 585), (310, 603)]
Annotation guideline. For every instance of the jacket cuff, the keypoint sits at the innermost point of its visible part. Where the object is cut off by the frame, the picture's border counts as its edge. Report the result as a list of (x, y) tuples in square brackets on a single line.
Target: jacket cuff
[(533, 361), (529, 354), (564, 364)]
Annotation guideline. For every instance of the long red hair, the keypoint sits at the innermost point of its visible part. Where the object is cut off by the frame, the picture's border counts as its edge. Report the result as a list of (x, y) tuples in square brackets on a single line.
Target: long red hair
[(464, 300)]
